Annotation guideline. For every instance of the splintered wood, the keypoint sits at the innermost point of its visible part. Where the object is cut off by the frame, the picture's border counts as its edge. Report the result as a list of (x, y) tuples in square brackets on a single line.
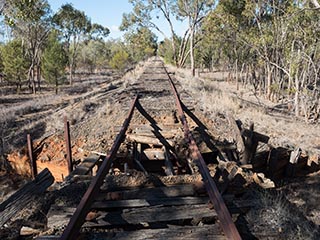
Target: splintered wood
[(20, 200)]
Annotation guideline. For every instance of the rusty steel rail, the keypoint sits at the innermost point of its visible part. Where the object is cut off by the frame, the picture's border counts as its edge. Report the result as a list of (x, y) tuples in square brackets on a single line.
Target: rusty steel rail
[(72, 230), (224, 216)]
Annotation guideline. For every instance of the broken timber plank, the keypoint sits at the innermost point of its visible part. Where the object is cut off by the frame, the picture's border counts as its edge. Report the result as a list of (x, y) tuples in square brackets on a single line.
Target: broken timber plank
[(260, 137), (149, 140), (151, 133), (151, 215), (236, 133), (172, 201), (160, 127), (131, 203), (155, 192), (24, 196), (154, 154), (86, 165), (59, 216), (294, 157), (176, 232), (251, 144)]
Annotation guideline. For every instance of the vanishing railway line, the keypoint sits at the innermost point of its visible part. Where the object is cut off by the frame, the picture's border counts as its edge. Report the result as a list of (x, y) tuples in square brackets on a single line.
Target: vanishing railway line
[(169, 172), (156, 118)]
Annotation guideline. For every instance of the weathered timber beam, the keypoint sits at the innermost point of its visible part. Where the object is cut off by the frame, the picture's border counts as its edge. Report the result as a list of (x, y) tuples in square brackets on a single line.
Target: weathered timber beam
[(21, 199), (86, 165), (260, 137), (171, 232), (148, 140)]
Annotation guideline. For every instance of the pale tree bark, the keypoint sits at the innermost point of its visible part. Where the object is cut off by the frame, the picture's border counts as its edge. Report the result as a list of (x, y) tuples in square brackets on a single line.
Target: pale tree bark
[(269, 80), (183, 53), (165, 9), (193, 72), (315, 3), (195, 13), (296, 96)]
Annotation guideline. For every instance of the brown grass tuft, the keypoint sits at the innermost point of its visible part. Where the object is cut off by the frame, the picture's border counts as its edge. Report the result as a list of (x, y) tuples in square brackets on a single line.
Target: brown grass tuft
[(272, 214)]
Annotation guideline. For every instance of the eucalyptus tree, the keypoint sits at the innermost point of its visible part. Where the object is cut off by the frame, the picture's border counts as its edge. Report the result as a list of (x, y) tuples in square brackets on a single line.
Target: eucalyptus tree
[(29, 21), (119, 60), (75, 27), (98, 32), (191, 10), (142, 16), (222, 30), (194, 11), (94, 52), (93, 55), (277, 42), (142, 43), (316, 3), (165, 51)]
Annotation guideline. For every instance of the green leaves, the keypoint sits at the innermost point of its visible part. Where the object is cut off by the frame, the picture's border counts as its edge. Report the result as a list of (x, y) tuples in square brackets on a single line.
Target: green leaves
[(15, 63), (76, 27), (71, 21), (141, 43), (119, 60), (54, 59), (98, 31), (19, 11)]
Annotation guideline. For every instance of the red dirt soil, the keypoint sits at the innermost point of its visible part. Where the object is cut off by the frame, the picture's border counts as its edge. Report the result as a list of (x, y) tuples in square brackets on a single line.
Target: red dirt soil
[(50, 154)]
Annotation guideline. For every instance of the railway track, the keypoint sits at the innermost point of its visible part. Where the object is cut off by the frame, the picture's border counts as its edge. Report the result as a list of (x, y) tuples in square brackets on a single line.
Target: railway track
[(157, 144)]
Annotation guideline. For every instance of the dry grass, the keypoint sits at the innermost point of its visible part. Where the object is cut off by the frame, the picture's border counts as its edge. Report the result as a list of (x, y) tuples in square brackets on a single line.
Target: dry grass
[(215, 96), (211, 99), (273, 215), (131, 76)]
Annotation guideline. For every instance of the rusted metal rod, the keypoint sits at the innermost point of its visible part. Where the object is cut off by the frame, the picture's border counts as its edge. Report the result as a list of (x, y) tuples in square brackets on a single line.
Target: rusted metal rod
[(33, 163), (224, 216), (68, 144), (72, 230)]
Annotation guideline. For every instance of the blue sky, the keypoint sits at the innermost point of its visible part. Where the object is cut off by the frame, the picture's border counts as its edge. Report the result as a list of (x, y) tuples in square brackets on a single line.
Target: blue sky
[(105, 12), (109, 13)]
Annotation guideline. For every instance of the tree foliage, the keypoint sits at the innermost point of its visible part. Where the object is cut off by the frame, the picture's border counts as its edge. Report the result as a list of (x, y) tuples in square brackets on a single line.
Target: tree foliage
[(119, 60), (275, 44), (194, 11), (94, 55), (76, 27), (30, 21), (190, 10), (141, 43), (15, 64), (54, 60), (165, 51)]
